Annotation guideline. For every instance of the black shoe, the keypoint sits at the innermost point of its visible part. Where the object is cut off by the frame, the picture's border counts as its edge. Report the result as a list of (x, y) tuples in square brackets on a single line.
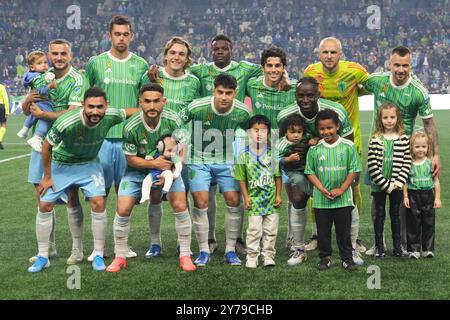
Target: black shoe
[(380, 253), (400, 254), (324, 264), (1, 146), (349, 265)]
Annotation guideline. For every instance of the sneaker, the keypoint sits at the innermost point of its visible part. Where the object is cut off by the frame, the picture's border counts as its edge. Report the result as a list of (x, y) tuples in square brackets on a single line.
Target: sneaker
[(202, 259), (117, 265), (269, 262), (98, 264), (153, 252), (186, 264), (240, 246), (23, 133), (290, 244), (357, 258), (349, 265), (39, 264), (324, 263), (212, 243), (35, 142), (360, 248), (371, 251), (380, 254), (297, 257), (414, 255), (400, 254), (75, 257), (232, 259), (312, 244), (251, 263), (428, 254)]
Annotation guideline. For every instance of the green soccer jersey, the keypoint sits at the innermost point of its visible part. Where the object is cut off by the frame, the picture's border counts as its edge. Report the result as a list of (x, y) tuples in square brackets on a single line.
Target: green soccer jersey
[(332, 164), (120, 79), (140, 140), (269, 101), (74, 142), (420, 177), (179, 91), (69, 91), (213, 133), (259, 173), (242, 71), (388, 158), (345, 128), (411, 98)]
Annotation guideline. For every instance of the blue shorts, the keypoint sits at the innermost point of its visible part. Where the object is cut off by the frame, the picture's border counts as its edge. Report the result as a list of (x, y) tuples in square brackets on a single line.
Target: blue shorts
[(202, 175), (185, 177), (35, 168), (131, 184), (88, 177), (113, 161)]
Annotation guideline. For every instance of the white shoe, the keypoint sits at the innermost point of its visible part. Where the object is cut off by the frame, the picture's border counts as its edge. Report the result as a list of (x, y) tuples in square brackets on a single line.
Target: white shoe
[(35, 142), (312, 244), (298, 257), (357, 258), (23, 133), (414, 255), (130, 254), (428, 254), (75, 257), (371, 251), (251, 263)]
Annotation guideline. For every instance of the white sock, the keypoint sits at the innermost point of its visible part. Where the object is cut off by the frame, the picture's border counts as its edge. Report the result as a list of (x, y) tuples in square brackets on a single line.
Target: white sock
[(314, 229), (121, 228), (200, 219), (298, 226), (154, 213), (44, 224), (289, 213), (354, 230), (75, 220), (52, 241), (232, 223), (212, 208), (99, 224), (183, 226), (241, 225)]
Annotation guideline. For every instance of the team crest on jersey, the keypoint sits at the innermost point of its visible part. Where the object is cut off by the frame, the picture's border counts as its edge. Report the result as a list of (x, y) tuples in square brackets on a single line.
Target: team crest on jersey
[(80, 134), (108, 65), (106, 81), (208, 87), (108, 70), (385, 87), (341, 86), (209, 117)]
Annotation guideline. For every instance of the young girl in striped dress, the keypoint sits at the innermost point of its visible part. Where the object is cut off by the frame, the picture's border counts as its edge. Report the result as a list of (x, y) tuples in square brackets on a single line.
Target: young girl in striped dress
[(389, 162), (421, 196)]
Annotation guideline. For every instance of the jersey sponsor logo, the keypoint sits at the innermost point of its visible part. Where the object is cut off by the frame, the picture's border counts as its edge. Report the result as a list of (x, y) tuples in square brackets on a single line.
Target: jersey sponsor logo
[(263, 181)]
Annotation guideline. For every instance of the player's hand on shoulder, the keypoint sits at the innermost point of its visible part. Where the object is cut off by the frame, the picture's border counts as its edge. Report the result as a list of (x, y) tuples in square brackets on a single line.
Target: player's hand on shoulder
[(152, 73)]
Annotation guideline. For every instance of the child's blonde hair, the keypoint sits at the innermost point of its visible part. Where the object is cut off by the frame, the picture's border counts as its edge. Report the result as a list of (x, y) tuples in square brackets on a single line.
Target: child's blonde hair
[(379, 129), (33, 56), (420, 135)]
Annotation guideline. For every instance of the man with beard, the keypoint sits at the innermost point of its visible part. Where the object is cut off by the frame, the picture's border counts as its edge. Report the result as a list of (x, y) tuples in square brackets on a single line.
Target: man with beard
[(69, 156)]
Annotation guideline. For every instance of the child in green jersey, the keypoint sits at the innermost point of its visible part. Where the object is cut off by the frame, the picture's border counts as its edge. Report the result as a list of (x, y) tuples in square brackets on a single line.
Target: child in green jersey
[(389, 162), (332, 165), (419, 198), (260, 180)]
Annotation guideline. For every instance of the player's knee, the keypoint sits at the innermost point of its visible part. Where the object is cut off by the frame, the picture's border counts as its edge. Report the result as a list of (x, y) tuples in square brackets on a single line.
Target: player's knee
[(97, 204), (232, 200), (299, 200), (46, 206)]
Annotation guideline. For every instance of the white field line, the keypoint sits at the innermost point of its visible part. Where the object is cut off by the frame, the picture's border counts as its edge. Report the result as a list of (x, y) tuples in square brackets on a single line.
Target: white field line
[(14, 158)]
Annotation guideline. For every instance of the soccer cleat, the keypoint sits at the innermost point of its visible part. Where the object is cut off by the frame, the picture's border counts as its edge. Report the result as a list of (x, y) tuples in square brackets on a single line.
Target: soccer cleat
[(414, 255), (186, 264), (35, 142), (428, 254), (232, 259), (153, 252), (213, 245), (349, 265), (202, 259), (297, 257), (324, 264), (251, 263), (371, 251), (130, 254), (400, 254), (75, 257), (357, 258), (117, 265), (98, 264), (52, 254), (23, 133), (312, 244), (39, 264), (290, 244), (360, 246), (240, 246), (269, 262), (380, 253)]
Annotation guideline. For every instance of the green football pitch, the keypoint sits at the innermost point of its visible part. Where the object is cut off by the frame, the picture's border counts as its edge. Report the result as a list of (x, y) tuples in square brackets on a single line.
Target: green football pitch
[(163, 279)]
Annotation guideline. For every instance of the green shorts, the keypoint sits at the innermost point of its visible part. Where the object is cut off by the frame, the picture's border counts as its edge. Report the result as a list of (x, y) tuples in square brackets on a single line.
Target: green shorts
[(299, 181)]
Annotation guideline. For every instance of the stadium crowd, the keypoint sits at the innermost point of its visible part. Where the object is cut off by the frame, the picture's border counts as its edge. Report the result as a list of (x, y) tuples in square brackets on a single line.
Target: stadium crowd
[(295, 26)]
